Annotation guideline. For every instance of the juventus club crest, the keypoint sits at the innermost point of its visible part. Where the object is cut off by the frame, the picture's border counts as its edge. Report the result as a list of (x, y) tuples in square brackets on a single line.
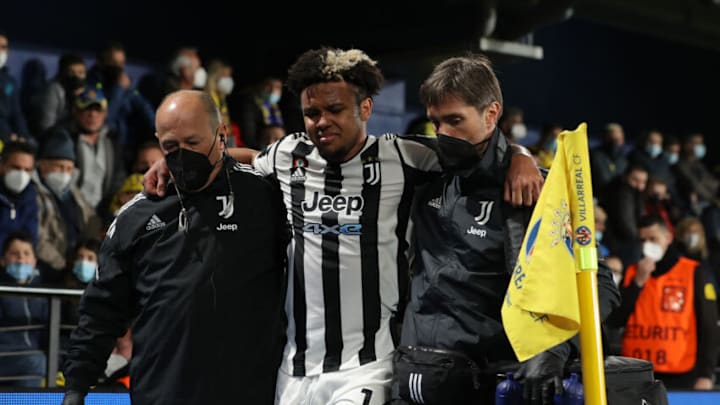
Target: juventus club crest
[(485, 212), (228, 206), (371, 171)]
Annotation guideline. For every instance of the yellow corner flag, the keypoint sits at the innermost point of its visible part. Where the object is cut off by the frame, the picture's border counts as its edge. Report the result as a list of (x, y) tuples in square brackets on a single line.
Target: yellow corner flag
[(541, 307)]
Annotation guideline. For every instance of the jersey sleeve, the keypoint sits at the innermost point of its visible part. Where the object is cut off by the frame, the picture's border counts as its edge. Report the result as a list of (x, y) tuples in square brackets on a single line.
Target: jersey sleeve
[(265, 160), (419, 152)]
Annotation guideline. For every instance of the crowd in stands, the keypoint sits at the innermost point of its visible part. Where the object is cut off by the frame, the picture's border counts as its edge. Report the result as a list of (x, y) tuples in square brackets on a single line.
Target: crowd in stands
[(73, 150)]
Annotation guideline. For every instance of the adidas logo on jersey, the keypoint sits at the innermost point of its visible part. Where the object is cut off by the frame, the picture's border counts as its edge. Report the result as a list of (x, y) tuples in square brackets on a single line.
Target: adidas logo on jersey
[(154, 223), (435, 202)]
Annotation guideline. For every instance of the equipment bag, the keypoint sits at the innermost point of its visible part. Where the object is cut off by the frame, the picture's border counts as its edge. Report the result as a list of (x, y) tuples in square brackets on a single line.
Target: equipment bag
[(630, 381), (431, 376)]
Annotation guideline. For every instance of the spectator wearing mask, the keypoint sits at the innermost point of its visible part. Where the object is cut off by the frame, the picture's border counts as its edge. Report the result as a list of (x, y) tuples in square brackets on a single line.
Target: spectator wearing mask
[(81, 267), (12, 119), (648, 152), (511, 124), (54, 101), (608, 161), (219, 85), (64, 215), (18, 198), (669, 311), (692, 242), (671, 150), (19, 265), (696, 181), (259, 108)]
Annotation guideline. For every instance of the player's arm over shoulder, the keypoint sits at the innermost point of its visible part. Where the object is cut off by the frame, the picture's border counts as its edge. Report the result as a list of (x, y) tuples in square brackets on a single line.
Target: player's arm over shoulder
[(416, 151)]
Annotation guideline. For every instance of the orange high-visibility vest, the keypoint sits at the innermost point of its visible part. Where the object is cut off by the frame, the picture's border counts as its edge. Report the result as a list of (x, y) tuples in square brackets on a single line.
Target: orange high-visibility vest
[(663, 327)]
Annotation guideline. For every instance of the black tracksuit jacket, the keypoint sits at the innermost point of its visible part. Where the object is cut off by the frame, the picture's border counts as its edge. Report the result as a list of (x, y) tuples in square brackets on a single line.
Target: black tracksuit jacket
[(204, 306), (467, 241)]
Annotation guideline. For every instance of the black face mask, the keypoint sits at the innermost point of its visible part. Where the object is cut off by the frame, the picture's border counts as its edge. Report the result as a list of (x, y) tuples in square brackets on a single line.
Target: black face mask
[(457, 155), (190, 169), (72, 83), (111, 73), (612, 148)]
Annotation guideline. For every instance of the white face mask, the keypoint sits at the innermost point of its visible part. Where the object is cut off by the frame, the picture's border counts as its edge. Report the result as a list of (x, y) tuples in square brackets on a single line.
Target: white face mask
[(617, 279), (3, 59), (692, 240), (653, 251), (58, 182), (16, 180), (518, 131), (225, 85), (200, 77)]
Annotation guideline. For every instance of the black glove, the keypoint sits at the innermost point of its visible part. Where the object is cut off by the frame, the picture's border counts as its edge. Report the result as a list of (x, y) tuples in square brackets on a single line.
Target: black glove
[(74, 398), (541, 377)]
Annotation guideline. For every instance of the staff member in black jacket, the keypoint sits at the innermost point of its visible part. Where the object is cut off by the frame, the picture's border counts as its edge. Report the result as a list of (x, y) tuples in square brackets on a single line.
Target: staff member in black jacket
[(467, 242), (206, 320)]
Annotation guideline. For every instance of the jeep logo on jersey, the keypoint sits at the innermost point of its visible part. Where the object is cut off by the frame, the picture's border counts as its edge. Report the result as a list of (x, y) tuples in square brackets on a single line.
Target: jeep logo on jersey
[(339, 203), (227, 227), (228, 206), (371, 172), (485, 212)]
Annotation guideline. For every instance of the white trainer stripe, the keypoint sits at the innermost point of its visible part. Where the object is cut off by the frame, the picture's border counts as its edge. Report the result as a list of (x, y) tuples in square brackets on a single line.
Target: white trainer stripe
[(419, 389), (411, 387)]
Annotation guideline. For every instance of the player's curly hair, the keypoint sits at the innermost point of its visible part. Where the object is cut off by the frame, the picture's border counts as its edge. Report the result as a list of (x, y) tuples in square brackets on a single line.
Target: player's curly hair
[(326, 64)]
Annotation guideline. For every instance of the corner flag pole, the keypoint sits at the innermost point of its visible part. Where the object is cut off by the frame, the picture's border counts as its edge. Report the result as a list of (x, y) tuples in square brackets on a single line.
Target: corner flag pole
[(583, 220)]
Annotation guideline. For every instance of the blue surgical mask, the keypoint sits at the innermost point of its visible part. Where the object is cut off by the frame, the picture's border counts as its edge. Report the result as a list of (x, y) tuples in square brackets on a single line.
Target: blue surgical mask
[(672, 158), (273, 98), (654, 150), (84, 270), (699, 150), (20, 271), (598, 235)]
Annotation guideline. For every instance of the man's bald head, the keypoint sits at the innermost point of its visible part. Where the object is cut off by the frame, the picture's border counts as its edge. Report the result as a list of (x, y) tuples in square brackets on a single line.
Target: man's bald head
[(189, 101)]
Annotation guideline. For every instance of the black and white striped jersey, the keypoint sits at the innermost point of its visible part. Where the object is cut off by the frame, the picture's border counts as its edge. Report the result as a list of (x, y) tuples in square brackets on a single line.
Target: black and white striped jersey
[(348, 260)]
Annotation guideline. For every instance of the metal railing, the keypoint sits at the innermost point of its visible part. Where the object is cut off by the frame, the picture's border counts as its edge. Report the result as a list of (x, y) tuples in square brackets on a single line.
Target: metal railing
[(54, 296)]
